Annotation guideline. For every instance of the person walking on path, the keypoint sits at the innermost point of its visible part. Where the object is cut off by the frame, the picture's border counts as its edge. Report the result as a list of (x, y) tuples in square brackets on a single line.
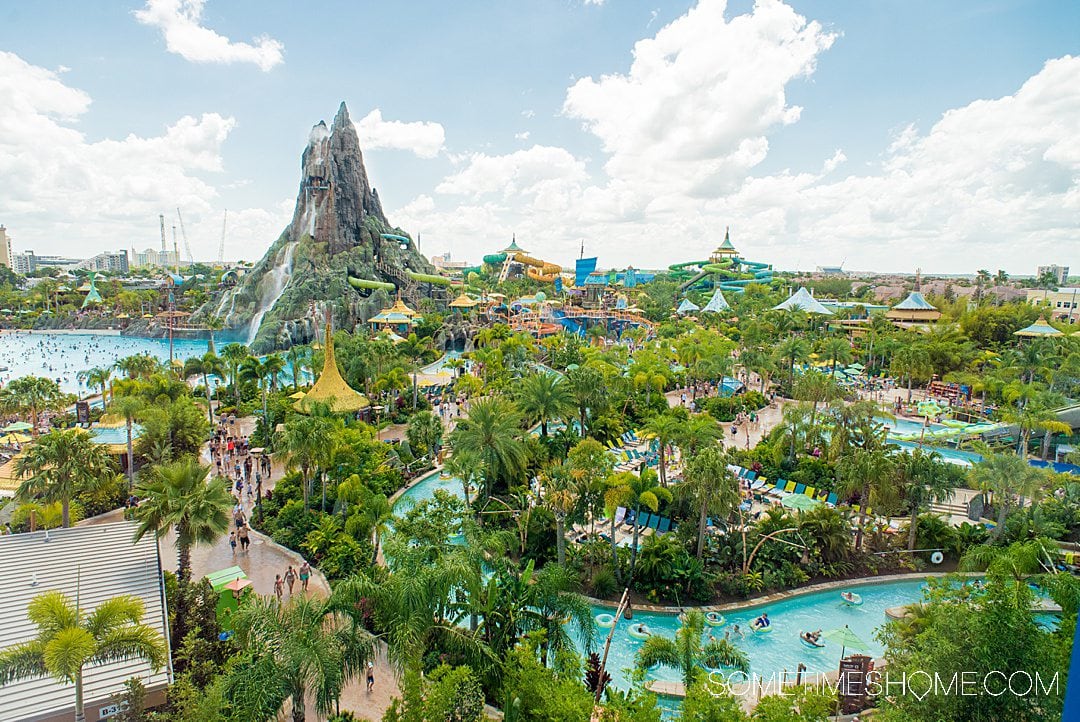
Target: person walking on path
[(370, 677), (244, 538), (305, 575), (290, 578), (232, 542), (279, 586)]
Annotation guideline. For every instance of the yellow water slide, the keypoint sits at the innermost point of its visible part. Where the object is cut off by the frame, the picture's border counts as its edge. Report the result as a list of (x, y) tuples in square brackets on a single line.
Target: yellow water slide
[(538, 270)]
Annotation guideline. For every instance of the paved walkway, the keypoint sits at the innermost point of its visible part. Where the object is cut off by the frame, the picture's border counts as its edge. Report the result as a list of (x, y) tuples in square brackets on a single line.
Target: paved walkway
[(263, 560)]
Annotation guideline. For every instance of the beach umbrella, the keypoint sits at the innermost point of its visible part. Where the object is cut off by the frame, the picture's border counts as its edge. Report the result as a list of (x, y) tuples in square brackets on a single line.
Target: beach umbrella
[(11, 439), (18, 426), (845, 638), (799, 501)]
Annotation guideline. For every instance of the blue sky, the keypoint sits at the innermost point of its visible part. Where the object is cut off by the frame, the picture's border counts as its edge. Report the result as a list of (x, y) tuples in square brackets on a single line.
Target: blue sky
[(884, 134)]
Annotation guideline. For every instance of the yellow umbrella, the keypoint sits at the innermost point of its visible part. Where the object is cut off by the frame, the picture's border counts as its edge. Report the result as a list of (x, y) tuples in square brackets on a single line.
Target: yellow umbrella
[(13, 438)]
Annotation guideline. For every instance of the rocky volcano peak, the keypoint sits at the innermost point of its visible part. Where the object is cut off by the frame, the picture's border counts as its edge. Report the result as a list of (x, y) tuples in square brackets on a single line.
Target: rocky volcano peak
[(335, 194)]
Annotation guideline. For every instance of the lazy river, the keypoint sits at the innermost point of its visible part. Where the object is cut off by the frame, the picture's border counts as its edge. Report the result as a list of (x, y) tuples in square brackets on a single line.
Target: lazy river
[(769, 654)]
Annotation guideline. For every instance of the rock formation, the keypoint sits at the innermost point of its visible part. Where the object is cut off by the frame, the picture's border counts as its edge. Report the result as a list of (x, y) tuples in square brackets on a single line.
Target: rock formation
[(338, 230)]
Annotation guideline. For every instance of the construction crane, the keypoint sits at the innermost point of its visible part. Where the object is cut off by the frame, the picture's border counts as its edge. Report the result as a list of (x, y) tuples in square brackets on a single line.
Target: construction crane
[(161, 218), (221, 247), (187, 246)]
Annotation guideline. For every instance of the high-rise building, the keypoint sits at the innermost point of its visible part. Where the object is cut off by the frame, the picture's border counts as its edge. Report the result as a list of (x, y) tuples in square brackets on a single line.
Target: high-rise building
[(5, 247), (107, 261), (24, 263), (1061, 273)]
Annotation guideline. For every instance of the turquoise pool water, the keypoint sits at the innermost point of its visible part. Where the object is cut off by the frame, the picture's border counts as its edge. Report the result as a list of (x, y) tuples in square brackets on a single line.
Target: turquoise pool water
[(907, 426), (62, 356), (441, 364), (953, 456), (780, 649)]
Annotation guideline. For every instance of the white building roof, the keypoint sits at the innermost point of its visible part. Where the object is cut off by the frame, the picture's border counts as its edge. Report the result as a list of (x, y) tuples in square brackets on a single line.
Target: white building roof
[(96, 563), (803, 301)]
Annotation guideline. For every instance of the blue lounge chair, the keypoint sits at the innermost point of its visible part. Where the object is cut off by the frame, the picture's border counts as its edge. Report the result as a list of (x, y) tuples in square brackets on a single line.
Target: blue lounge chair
[(800, 488), (644, 520), (751, 475), (832, 499), (654, 522), (665, 526)]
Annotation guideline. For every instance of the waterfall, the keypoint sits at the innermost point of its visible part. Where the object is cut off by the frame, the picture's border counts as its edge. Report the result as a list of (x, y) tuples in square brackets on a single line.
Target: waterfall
[(278, 280)]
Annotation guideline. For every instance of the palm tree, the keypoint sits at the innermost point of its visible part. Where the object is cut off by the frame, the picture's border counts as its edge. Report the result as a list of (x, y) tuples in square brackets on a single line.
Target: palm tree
[(129, 407), (464, 465), (865, 472), (642, 491), (926, 479), (255, 369), (909, 362), (1017, 561), (1004, 476), (138, 366), (32, 394), (687, 654), (560, 496), (206, 365), (589, 392), (376, 513), (62, 465), (69, 639), (296, 356), (665, 429), (701, 431), (827, 531), (424, 431), (304, 649), (710, 487), (815, 387), (836, 349), (303, 442), (179, 497), (544, 397), (97, 377), (793, 350), (233, 355), (273, 366), (492, 433), (213, 324)]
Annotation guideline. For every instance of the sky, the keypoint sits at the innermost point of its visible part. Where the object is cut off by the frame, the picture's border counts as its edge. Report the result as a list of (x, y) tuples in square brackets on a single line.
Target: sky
[(882, 135)]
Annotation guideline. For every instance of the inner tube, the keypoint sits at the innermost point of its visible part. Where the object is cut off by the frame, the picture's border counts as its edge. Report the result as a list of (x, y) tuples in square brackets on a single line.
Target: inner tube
[(639, 631), (762, 630), (714, 619), (605, 620), (854, 601), (807, 643), (937, 558)]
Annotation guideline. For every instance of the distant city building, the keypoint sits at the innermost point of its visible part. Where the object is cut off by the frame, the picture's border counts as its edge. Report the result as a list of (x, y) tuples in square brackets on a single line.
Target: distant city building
[(444, 263), (151, 258), (24, 263), (116, 261), (1060, 304), (5, 248), (1061, 273), (831, 270)]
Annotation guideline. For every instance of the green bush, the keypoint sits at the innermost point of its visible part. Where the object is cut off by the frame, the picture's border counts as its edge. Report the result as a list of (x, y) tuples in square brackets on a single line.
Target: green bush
[(604, 583)]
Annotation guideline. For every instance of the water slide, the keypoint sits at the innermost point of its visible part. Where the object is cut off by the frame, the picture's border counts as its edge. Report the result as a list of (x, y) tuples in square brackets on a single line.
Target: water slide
[(365, 285), (733, 274), (538, 270)]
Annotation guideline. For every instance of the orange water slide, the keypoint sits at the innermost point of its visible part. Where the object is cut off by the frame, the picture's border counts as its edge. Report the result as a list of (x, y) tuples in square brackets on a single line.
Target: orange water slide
[(538, 270)]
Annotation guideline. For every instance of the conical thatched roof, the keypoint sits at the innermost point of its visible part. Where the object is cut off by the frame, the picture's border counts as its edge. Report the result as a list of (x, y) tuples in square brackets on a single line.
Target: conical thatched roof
[(1039, 329), (463, 301), (331, 389)]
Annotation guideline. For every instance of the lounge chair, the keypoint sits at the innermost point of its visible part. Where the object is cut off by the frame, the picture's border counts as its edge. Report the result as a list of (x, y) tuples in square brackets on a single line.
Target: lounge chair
[(790, 486), (620, 515), (654, 521), (644, 520), (832, 499), (799, 488), (810, 491), (664, 527), (751, 475)]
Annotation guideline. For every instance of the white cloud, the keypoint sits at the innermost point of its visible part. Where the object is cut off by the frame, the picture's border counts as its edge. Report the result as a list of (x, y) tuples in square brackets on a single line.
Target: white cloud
[(180, 23), (524, 135), (64, 193), (423, 138), (545, 170), (700, 97)]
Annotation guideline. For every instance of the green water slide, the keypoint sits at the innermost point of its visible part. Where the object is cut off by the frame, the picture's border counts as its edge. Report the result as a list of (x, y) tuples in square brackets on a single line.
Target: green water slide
[(494, 259), (366, 285), (471, 269), (428, 278), (678, 270)]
